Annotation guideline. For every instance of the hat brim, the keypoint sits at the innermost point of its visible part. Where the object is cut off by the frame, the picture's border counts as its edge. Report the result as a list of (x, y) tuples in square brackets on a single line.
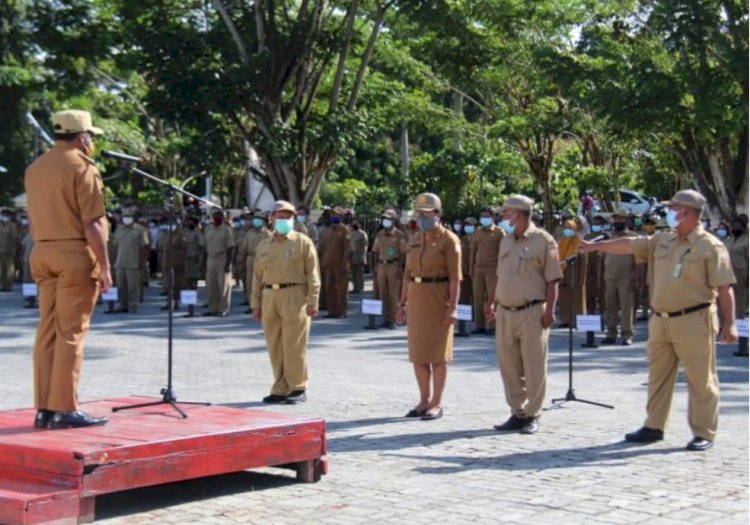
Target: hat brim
[(425, 208), (95, 131)]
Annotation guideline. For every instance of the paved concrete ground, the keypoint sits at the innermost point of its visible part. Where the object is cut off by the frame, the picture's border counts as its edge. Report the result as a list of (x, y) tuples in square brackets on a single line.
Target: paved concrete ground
[(386, 469)]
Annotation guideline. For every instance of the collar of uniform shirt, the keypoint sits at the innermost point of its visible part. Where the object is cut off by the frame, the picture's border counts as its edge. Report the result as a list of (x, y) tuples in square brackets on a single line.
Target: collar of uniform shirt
[(530, 229), (691, 237)]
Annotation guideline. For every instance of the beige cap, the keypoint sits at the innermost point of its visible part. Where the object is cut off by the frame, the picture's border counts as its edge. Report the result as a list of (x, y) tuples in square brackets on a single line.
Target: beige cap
[(338, 210), (689, 198), (389, 214), (73, 121), (284, 206), (518, 202), (621, 212), (428, 202)]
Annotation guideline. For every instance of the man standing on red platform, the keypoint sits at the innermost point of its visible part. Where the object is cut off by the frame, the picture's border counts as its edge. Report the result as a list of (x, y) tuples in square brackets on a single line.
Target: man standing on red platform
[(69, 263)]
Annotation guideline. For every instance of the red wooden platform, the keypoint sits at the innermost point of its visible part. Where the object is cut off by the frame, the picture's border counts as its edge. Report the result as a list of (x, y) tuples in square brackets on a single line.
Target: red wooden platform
[(52, 477)]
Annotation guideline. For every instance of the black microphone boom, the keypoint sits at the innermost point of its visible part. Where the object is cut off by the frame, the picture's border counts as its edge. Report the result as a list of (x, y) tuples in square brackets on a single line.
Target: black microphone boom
[(120, 156)]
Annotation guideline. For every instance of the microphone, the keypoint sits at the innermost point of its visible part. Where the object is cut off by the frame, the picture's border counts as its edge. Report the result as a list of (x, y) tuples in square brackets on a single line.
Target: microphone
[(120, 156)]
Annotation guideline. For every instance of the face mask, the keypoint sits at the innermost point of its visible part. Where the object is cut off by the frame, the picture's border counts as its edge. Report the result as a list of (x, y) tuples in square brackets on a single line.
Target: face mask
[(619, 226), (426, 223), (607, 227), (283, 226), (637, 222), (722, 232), (24, 222), (569, 232), (152, 225), (387, 223), (486, 221), (257, 223), (335, 220), (672, 221), (457, 227), (596, 228), (469, 229), (649, 228), (301, 219), (737, 232), (507, 226), (163, 227), (127, 221), (236, 224), (4, 218), (218, 221)]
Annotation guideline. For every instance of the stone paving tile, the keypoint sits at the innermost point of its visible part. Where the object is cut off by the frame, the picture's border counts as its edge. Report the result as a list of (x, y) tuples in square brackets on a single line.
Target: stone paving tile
[(387, 470)]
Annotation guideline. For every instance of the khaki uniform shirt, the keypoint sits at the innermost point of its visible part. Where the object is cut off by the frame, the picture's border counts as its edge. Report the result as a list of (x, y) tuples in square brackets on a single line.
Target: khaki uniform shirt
[(64, 191), (289, 259), (485, 247), (738, 252), (359, 247), (312, 232), (129, 240), (525, 266), (338, 245), (218, 239), (179, 248), (239, 241), (253, 238), (618, 267), (389, 245), (439, 257), (8, 237), (683, 272)]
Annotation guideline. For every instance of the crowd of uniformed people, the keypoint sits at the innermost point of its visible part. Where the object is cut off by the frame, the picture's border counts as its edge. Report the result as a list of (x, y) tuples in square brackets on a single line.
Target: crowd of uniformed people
[(502, 262)]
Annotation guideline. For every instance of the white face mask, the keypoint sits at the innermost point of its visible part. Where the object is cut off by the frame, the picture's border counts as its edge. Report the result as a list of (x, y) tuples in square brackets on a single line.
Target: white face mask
[(127, 221), (24, 222), (4, 218)]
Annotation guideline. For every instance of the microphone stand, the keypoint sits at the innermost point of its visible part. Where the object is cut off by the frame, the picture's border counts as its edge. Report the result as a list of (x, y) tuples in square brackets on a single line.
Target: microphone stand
[(570, 395), (167, 393)]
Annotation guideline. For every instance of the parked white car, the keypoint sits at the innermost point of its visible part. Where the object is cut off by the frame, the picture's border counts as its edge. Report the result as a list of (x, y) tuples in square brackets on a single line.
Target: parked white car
[(634, 202)]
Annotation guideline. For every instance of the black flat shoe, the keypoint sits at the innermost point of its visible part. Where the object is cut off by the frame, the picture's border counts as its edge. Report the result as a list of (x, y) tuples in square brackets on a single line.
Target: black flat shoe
[(478, 331), (513, 423), (609, 341), (209, 314), (415, 413), (431, 415), (75, 419), (298, 396), (699, 444), (42, 418), (531, 426), (274, 398), (645, 435)]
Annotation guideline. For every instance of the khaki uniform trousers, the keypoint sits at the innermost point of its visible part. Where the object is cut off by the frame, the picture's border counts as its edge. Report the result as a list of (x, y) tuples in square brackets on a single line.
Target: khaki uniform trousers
[(287, 329), (740, 293), (619, 300), (358, 277), (249, 262), (128, 288), (337, 292), (218, 283), (484, 282), (688, 339), (66, 274), (521, 345), (389, 289), (7, 270)]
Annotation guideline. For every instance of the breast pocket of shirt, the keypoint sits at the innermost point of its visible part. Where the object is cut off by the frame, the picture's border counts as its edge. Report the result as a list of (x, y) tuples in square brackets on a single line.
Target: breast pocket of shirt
[(694, 268), (527, 263)]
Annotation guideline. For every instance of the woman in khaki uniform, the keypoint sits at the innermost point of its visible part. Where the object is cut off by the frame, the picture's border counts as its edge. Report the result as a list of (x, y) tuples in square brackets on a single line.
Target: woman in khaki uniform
[(570, 293), (432, 278)]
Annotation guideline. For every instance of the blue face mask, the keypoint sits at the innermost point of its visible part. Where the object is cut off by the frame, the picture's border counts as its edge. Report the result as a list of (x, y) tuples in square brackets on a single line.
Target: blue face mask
[(607, 227), (469, 229), (507, 226), (335, 219), (387, 223), (722, 232), (457, 227), (426, 223), (596, 228), (283, 226), (258, 222), (486, 221), (569, 232), (672, 221), (301, 218)]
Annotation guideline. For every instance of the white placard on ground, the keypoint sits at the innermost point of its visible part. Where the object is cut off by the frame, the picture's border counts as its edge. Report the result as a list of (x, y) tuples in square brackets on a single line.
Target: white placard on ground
[(29, 290), (110, 295), (372, 306), (465, 312), (189, 297), (742, 327), (589, 323)]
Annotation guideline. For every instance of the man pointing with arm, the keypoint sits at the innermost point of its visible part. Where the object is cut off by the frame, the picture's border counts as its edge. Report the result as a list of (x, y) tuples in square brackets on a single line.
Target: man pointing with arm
[(689, 272)]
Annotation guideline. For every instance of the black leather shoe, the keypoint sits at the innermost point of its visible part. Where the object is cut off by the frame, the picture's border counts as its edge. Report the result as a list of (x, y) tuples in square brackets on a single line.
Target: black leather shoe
[(222, 314), (298, 396), (274, 398), (699, 444), (645, 435), (740, 354), (42, 418), (627, 341), (513, 423), (75, 419), (530, 426), (490, 331), (609, 341), (478, 331), (209, 314)]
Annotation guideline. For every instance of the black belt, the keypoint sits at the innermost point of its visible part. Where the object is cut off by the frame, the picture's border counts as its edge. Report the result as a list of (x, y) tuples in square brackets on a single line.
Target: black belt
[(280, 286), (388, 262), (523, 306), (60, 240), (678, 313), (420, 280)]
